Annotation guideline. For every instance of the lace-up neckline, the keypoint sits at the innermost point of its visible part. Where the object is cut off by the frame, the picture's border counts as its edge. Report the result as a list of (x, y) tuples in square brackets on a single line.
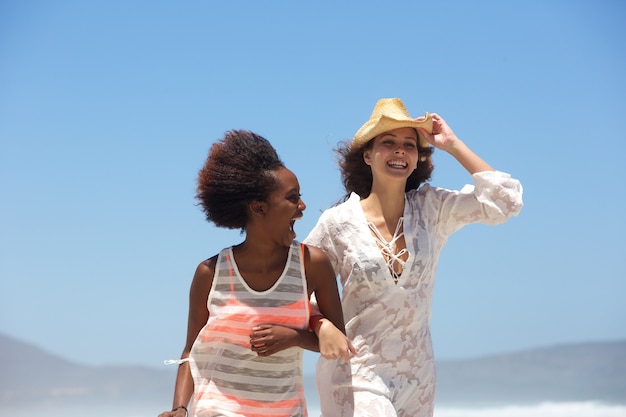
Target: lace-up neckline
[(388, 249)]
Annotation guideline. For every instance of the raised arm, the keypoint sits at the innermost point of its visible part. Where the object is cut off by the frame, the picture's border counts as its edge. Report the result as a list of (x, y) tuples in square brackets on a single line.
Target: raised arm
[(444, 138)]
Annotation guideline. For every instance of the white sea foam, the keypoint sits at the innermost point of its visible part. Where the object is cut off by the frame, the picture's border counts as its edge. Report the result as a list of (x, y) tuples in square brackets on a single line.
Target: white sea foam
[(547, 409)]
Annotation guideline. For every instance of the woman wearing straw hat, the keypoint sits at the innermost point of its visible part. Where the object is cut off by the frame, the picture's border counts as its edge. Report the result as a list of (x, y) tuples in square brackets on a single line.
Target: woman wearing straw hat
[(384, 242)]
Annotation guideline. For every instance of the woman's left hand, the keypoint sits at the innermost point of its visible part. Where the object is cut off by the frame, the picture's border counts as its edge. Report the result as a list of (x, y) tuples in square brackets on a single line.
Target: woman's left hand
[(267, 339), (442, 136)]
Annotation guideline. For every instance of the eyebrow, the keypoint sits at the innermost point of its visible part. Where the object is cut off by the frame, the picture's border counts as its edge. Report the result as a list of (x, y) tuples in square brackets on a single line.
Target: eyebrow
[(398, 137), (292, 190)]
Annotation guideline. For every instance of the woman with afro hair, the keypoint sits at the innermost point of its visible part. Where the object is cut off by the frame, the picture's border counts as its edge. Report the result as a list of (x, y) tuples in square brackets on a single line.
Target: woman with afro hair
[(249, 312)]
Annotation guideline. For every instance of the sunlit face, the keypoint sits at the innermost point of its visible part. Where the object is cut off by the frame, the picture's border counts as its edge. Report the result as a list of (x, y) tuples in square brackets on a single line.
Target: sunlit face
[(393, 153), (284, 206)]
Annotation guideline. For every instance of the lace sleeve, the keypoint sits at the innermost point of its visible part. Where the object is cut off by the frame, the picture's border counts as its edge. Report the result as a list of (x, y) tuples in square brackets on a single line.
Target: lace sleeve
[(493, 199), (320, 237), (500, 195)]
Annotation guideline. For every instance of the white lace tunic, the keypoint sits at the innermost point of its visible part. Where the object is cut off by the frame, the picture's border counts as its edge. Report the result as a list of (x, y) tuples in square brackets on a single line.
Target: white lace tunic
[(393, 373)]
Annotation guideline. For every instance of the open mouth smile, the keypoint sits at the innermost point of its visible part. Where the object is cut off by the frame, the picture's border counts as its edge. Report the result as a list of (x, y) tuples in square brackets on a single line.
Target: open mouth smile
[(397, 164), (292, 222)]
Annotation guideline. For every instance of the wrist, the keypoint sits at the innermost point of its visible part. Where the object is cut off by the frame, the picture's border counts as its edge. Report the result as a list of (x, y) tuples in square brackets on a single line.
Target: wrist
[(181, 407), (317, 323), (454, 146)]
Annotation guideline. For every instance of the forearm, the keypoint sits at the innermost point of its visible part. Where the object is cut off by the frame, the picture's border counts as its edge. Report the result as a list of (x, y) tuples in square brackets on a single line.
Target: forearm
[(184, 386), (308, 340), (466, 157), (316, 323), (332, 341)]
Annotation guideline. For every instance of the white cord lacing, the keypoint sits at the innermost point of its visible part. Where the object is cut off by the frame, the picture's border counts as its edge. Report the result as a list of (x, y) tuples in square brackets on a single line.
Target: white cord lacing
[(388, 249)]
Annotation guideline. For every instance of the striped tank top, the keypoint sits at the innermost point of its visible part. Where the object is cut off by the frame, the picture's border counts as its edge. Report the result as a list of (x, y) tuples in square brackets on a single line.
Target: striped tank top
[(230, 380)]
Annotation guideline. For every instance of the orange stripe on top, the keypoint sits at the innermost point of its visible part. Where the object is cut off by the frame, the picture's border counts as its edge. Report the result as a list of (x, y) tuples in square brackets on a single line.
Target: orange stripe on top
[(220, 384)]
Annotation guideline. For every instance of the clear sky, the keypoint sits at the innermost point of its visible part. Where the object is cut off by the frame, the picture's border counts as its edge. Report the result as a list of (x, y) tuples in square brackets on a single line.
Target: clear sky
[(108, 108)]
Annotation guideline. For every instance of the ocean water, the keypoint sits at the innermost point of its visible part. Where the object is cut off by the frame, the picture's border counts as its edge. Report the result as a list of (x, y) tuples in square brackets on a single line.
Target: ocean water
[(542, 409), (547, 409)]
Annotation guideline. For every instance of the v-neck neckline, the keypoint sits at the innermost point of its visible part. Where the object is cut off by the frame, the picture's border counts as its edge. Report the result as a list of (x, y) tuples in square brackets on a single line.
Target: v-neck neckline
[(371, 241)]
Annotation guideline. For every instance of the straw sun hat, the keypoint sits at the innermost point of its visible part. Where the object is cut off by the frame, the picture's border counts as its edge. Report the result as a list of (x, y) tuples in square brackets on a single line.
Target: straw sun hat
[(389, 114)]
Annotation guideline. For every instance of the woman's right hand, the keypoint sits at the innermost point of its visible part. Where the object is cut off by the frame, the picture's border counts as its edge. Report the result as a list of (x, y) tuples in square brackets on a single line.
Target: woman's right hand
[(333, 343)]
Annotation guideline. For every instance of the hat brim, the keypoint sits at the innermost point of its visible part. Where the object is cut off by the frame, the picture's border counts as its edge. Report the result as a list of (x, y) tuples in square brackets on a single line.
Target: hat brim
[(382, 124)]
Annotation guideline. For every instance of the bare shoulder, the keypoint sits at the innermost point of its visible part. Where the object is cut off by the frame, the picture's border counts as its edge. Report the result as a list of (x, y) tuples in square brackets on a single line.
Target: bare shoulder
[(208, 265), (203, 277), (317, 268), (314, 256)]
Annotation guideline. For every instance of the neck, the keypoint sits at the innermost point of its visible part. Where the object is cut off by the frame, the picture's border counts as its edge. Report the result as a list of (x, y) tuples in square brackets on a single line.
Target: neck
[(259, 254), (385, 202)]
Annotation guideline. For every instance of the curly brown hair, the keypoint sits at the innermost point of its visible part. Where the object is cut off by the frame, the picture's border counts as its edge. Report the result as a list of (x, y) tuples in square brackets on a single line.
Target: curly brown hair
[(238, 170), (356, 175)]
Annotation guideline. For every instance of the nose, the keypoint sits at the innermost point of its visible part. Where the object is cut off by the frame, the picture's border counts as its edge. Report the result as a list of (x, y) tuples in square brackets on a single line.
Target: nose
[(301, 205), (399, 150)]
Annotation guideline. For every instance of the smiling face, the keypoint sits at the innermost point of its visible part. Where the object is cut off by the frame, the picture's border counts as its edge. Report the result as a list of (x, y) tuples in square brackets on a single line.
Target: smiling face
[(393, 153), (284, 206)]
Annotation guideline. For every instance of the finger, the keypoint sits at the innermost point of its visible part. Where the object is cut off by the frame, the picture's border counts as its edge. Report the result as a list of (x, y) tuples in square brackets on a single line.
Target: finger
[(268, 350), (259, 347), (260, 351), (261, 341), (329, 356), (350, 350), (259, 336)]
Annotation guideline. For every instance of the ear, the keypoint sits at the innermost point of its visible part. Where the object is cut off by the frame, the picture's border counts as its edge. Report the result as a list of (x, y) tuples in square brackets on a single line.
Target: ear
[(257, 207), (366, 157)]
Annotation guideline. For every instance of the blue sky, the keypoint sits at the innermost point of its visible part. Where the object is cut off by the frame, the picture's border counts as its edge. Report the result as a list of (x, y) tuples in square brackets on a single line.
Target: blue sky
[(108, 108)]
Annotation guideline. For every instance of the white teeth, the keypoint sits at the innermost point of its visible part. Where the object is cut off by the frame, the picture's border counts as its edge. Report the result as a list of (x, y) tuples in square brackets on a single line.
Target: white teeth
[(398, 164)]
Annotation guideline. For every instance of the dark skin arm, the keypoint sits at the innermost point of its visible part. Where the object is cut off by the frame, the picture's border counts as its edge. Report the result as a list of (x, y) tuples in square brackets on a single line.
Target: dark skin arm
[(330, 327), (198, 316), (267, 339)]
